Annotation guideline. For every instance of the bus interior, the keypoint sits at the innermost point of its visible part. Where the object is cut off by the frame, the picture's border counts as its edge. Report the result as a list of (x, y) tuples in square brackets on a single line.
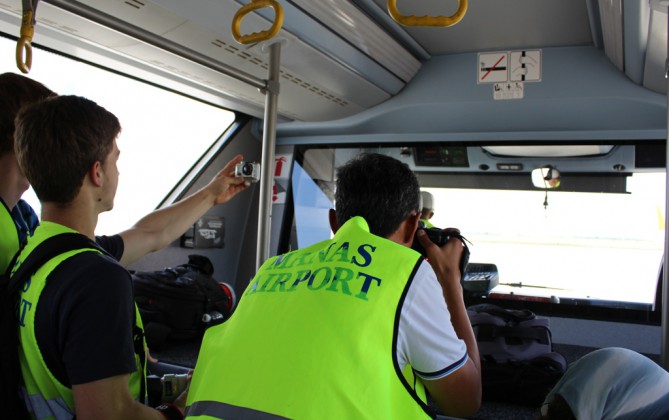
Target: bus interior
[(539, 127)]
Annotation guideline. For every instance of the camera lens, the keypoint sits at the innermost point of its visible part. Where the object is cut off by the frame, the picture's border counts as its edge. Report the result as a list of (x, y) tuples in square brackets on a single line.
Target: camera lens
[(247, 169)]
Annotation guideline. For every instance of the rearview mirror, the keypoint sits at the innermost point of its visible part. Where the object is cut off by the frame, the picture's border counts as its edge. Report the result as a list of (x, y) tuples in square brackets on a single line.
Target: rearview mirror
[(546, 177)]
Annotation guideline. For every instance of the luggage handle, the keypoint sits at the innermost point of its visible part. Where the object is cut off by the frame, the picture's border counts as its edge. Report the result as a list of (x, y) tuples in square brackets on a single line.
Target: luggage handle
[(486, 332), (518, 315)]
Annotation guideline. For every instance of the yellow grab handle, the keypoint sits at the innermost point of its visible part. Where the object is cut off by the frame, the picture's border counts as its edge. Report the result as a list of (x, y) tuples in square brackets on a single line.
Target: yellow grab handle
[(23, 44), (411, 20), (262, 35)]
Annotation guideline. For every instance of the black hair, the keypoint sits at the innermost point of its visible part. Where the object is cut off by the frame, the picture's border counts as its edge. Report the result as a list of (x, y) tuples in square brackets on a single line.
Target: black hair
[(16, 91), (379, 188)]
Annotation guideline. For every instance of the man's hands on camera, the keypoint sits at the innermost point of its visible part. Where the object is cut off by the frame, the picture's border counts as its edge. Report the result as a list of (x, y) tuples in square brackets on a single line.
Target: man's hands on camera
[(445, 260)]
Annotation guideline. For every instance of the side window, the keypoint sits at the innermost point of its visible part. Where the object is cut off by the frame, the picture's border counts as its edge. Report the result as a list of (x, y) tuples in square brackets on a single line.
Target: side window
[(311, 209), (163, 133)]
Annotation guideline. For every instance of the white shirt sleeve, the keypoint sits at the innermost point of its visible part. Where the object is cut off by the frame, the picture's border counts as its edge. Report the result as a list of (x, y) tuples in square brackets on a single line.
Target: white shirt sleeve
[(426, 338)]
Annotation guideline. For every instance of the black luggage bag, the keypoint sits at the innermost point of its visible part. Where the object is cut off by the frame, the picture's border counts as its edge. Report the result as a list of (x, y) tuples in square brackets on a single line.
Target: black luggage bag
[(180, 303), (518, 362)]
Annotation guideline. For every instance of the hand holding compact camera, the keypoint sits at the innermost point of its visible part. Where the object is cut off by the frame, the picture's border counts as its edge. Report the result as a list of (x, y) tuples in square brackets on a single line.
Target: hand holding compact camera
[(250, 171)]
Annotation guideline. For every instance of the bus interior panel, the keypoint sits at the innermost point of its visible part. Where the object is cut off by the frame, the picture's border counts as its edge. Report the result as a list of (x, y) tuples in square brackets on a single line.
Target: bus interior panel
[(540, 128)]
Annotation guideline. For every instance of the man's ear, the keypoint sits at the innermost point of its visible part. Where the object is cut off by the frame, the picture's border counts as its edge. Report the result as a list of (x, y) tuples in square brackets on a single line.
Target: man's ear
[(332, 216), (95, 173), (409, 226)]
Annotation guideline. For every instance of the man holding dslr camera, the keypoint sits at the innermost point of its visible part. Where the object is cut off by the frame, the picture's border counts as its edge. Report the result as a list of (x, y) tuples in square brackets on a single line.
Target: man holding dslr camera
[(358, 326)]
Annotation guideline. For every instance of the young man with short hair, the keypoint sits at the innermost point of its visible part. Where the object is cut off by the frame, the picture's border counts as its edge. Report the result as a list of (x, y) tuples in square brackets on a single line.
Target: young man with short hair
[(81, 346)]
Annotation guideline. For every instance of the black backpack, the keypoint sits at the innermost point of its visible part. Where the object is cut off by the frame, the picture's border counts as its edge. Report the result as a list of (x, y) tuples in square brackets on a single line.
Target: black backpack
[(10, 380), (518, 363), (180, 303)]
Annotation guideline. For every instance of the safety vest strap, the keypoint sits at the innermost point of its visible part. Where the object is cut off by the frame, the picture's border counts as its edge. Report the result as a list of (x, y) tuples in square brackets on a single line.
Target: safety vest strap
[(221, 410), (45, 396), (9, 237)]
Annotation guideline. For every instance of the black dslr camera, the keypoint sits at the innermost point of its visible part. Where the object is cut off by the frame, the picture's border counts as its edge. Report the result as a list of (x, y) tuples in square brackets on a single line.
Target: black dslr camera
[(440, 237)]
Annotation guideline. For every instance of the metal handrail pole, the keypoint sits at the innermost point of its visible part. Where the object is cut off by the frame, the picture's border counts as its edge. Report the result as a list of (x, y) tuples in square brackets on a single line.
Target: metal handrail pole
[(664, 325), (267, 163)]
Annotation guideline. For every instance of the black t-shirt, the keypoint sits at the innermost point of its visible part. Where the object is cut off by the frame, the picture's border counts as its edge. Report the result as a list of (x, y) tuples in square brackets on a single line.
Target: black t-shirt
[(85, 316)]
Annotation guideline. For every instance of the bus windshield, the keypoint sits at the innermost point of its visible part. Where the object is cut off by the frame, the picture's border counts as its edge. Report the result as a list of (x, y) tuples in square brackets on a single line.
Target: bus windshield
[(564, 244), (599, 248)]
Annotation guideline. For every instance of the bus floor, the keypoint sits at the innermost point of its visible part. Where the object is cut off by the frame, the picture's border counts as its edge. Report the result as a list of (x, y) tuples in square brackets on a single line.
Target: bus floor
[(185, 354)]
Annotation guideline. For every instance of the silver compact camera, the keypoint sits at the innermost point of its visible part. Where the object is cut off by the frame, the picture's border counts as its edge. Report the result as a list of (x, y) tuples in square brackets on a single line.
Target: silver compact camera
[(250, 171), (173, 386)]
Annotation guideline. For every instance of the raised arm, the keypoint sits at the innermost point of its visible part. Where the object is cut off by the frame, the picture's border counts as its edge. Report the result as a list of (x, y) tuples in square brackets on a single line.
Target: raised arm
[(457, 394), (159, 228)]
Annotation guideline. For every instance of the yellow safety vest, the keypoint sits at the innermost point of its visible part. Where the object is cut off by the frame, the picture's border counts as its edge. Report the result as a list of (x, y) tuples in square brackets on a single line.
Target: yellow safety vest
[(314, 337), (49, 398), (9, 237)]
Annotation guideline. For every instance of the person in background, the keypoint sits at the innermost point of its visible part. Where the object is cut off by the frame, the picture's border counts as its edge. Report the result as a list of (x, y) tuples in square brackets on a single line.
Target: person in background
[(427, 208), (81, 340), (355, 327), (17, 219)]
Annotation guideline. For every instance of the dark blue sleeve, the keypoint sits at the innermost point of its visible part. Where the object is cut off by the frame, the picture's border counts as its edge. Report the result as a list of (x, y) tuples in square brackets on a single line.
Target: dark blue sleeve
[(112, 244)]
